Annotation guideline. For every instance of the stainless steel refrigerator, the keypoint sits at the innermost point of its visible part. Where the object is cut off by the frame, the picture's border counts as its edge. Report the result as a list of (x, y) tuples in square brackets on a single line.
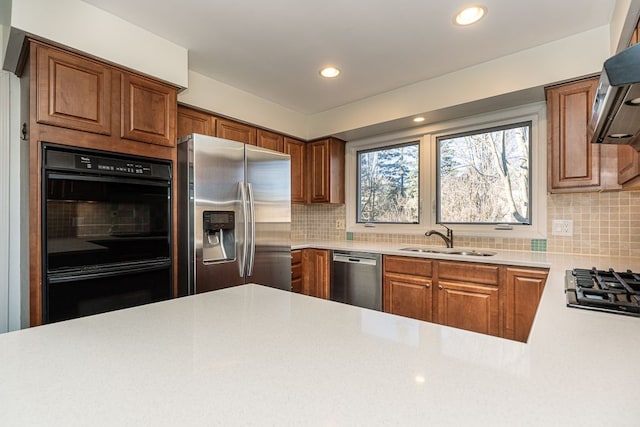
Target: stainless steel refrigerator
[(234, 215)]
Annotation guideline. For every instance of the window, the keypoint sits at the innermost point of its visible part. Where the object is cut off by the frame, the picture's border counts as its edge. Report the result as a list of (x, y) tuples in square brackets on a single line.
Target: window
[(484, 176), (388, 184)]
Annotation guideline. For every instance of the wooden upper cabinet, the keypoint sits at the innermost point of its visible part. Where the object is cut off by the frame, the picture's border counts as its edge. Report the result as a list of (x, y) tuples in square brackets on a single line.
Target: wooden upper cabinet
[(522, 292), (194, 121), (574, 162), (228, 129), (270, 140), (72, 91), (325, 171), (628, 166), (296, 150), (148, 110)]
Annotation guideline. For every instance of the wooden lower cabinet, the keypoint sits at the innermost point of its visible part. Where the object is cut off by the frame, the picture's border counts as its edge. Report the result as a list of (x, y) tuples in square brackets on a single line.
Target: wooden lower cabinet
[(522, 292), (491, 299), (408, 296), (315, 272), (296, 271), (407, 288), (469, 306)]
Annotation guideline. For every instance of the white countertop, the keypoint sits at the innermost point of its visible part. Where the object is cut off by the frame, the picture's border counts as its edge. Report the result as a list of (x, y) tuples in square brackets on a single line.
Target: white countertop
[(252, 355)]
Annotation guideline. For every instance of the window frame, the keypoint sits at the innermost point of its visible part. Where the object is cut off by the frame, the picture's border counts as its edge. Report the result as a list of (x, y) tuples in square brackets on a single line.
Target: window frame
[(513, 125), (427, 135), (358, 172)]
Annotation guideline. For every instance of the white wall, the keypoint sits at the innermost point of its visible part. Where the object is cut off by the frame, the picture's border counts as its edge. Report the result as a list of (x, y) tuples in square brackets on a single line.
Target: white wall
[(84, 27), (212, 95), (623, 20), (575, 56), (14, 286)]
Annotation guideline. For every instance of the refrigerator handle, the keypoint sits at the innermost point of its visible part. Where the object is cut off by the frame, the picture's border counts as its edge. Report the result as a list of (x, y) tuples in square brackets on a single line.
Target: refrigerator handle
[(245, 219), (252, 248)]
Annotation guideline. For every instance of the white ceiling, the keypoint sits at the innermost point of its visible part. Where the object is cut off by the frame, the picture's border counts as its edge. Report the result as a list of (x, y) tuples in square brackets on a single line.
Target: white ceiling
[(274, 49)]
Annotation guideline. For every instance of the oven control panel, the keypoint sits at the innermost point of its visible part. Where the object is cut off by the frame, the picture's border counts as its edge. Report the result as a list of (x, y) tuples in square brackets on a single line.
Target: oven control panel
[(112, 165)]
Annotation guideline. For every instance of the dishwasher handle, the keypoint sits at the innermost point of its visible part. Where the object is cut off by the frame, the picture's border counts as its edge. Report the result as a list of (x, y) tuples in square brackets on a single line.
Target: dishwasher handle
[(351, 259)]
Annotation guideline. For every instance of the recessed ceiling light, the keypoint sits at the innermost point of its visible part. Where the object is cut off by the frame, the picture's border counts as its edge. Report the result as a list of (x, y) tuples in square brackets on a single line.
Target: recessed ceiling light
[(418, 119), (329, 72), (470, 15)]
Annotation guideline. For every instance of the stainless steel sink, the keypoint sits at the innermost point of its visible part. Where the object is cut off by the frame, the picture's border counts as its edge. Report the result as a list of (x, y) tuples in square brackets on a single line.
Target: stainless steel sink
[(466, 252)]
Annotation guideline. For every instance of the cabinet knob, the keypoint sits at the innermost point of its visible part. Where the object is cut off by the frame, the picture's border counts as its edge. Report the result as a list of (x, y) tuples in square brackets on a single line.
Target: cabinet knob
[(428, 285), (440, 287)]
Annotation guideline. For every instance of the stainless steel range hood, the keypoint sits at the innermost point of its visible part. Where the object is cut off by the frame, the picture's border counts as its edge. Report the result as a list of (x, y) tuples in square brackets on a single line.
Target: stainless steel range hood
[(615, 118)]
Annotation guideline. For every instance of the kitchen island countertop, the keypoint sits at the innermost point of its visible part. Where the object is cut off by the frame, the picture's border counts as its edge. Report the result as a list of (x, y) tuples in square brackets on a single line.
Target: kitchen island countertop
[(252, 355)]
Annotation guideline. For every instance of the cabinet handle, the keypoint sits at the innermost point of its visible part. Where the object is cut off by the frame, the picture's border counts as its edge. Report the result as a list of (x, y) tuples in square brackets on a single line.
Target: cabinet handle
[(428, 285), (440, 287)]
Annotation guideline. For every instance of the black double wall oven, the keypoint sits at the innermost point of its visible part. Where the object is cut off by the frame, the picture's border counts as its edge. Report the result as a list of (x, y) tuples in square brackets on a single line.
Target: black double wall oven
[(107, 232)]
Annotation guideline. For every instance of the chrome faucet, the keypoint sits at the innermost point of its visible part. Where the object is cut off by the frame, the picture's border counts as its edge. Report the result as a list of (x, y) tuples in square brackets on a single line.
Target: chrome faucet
[(448, 239)]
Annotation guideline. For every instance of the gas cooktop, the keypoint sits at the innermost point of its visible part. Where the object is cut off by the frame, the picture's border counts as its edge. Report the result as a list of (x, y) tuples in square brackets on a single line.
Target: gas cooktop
[(603, 290)]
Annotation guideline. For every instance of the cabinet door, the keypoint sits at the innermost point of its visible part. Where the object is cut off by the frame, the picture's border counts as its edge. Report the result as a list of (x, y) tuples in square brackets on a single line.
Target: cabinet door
[(73, 92), (148, 111), (628, 164), (228, 129), (296, 271), (270, 140), (574, 162), (469, 306), (315, 273), (295, 149), (193, 121), (523, 289), (408, 296), (325, 166)]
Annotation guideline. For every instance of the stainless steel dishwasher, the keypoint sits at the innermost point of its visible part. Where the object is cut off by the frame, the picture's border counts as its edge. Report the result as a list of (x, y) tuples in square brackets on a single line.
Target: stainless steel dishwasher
[(356, 279)]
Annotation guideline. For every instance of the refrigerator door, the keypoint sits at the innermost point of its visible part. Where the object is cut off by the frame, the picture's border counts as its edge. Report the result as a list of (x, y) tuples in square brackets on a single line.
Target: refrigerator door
[(218, 214), (269, 192)]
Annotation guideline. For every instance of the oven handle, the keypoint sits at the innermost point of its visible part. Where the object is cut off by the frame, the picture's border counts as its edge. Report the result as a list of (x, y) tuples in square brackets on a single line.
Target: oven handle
[(53, 279), (135, 181)]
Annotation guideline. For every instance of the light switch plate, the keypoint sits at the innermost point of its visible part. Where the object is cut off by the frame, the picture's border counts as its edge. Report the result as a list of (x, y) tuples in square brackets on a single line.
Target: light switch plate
[(562, 227)]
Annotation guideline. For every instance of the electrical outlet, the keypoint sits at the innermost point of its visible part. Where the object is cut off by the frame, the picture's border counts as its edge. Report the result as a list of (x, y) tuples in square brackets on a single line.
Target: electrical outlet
[(562, 227), (340, 224)]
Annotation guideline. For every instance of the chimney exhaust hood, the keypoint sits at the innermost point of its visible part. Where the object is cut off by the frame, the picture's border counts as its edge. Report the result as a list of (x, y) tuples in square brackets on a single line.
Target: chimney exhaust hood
[(615, 117)]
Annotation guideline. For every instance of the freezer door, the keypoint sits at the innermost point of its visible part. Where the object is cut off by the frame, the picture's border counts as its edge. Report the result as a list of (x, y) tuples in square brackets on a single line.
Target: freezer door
[(218, 179), (269, 184)]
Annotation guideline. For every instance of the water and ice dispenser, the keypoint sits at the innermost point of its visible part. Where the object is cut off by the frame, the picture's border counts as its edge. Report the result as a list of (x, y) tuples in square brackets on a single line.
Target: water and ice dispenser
[(218, 240)]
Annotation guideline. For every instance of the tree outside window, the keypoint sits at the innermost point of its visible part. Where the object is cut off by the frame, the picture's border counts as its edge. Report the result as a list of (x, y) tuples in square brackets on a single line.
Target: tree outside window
[(388, 184), (484, 176)]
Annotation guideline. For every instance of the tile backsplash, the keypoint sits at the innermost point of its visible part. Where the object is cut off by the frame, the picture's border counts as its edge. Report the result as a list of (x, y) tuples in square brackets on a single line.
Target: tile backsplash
[(603, 224)]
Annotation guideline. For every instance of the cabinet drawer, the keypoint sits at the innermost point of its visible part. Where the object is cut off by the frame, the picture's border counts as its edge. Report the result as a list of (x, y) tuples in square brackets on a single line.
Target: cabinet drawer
[(408, 265), (296, 256), (296, 271), (465, 272)]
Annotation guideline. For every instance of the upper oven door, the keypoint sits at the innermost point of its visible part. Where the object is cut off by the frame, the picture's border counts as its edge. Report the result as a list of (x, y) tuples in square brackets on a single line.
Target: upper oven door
[(92, 220)]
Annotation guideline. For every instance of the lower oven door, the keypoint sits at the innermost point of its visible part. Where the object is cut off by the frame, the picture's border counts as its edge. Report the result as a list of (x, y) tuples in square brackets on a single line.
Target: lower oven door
[(81, 293)]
